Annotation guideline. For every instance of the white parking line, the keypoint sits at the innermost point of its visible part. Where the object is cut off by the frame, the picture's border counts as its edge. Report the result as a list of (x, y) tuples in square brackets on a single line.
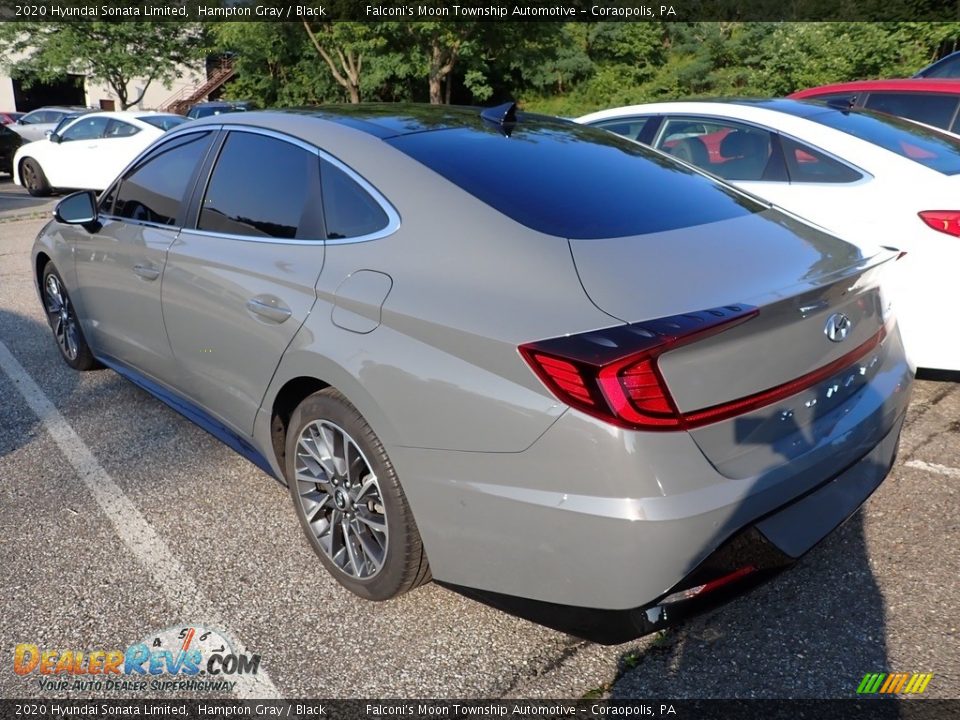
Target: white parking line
[(934, 468), (134, 530)]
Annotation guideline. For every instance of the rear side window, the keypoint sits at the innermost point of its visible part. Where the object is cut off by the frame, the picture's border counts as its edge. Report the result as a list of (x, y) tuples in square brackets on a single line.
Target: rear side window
[(932, 109), (931, 148), (574, 181), (348, 209), (118, 129), (807, 165), (258, 188), (153, 190)]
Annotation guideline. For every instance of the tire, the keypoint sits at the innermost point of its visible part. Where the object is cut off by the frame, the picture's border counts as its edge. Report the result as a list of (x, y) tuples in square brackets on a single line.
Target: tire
[(63, 321), (33, 179), (324, 431)]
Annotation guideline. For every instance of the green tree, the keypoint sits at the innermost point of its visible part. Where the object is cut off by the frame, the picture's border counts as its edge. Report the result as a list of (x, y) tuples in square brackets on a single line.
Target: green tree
[(112, 53), (346, 47)]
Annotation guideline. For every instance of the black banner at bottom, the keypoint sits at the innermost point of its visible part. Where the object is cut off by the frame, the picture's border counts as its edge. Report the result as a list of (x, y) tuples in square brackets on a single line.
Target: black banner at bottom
[(868, 709)]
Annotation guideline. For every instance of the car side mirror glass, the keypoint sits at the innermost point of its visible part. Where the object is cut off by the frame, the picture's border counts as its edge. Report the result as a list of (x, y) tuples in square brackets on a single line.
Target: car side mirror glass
[(80, 208)]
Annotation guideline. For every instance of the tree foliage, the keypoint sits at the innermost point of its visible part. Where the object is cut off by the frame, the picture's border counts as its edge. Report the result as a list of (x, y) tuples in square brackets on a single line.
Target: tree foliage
[(115, 53), (564, 68)]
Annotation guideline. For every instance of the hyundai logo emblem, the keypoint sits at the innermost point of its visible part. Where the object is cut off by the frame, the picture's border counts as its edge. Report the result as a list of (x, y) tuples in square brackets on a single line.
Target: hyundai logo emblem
[(838, 327)]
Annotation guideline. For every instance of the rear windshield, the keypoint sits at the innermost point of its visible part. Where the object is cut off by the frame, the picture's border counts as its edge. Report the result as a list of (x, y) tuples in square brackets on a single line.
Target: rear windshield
[(932, 148), (574, 181), (164, 122)]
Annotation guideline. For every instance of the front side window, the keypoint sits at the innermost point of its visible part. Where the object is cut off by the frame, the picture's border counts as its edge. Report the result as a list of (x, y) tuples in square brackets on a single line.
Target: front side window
[(931, 109), (86, 129), (258, 188), (155, 187), (38, 116), (348, 209), (730, 150)]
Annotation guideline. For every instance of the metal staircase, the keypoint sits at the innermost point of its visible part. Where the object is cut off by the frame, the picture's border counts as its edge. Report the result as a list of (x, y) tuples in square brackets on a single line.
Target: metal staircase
[(187, 96)]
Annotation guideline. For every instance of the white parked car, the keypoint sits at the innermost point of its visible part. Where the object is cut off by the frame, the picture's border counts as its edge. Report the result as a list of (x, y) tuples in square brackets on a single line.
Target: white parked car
[(867, 177), (88, 152)]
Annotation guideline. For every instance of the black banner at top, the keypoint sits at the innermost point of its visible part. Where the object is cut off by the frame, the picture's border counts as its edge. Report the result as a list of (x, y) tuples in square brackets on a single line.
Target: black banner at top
[(476, 10)]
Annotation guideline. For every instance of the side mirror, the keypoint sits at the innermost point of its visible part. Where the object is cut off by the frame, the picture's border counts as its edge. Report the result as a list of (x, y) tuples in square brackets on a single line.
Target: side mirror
[(80, 208), (53, 137)]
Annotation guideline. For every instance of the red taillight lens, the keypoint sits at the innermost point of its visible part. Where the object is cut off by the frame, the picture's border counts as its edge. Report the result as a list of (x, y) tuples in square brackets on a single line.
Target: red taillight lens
[(612, 374), (565, 376), (945, 221), (637, 393)]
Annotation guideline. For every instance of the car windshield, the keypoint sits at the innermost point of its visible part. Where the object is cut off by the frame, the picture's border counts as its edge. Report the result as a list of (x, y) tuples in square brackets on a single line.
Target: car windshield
[(164, 122), (64, 121), (931, 148)]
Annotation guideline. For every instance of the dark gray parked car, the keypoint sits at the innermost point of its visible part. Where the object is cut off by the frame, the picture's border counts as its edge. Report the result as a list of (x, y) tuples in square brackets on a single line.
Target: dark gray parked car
[(592, 385)]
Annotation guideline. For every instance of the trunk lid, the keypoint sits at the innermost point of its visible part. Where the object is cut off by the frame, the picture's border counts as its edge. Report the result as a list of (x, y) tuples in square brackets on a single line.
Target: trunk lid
[(799, 279)]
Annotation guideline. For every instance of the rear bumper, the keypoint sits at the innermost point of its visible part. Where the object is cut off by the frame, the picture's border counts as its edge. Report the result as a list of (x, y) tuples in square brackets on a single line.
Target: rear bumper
[(750, 556)]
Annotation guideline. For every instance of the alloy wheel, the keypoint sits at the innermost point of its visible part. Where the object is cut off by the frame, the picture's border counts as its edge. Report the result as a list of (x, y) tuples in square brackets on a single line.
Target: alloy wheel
[(340, 497), (63, 320)]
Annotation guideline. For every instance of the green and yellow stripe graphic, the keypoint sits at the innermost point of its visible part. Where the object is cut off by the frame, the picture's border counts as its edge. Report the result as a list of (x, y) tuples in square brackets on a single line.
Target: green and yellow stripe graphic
[(892, 683)]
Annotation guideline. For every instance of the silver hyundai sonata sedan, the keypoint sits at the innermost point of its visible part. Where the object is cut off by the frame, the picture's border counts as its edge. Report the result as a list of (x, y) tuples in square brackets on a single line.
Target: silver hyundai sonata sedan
[(545, 366)]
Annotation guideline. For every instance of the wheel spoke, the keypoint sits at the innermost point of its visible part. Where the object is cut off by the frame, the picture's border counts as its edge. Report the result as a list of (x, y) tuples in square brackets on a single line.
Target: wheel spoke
[(354, 463), (71, 338), (371, 548), (377, 523), (349, 541), (319, 510), (322, 459)]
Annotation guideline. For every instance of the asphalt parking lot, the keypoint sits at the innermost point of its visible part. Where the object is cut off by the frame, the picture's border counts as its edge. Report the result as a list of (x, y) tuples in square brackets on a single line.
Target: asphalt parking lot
[(120, 518)]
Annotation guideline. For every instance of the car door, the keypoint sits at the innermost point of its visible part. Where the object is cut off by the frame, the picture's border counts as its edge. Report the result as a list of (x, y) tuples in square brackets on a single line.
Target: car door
[(239, 284), (72, 162), (120, 265)]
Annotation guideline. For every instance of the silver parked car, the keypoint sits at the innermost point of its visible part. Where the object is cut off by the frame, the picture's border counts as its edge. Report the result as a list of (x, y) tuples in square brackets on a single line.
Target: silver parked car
[(592, 385), (37, 124)]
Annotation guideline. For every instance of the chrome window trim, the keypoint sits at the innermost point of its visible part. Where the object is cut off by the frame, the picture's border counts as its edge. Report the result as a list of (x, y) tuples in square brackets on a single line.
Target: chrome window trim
[(393, 217), (252, 238)]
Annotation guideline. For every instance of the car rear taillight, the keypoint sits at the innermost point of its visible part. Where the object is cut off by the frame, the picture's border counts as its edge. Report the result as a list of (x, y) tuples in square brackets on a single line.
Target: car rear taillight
[(612, 374), (945, 221)]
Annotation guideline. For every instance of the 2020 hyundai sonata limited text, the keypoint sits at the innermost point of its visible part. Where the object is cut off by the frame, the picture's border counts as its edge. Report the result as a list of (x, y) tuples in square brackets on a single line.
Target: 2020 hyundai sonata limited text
[(540, 363)]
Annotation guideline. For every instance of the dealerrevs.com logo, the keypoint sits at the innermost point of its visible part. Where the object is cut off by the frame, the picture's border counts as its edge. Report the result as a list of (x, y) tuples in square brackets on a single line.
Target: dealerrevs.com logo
[(176, 659)]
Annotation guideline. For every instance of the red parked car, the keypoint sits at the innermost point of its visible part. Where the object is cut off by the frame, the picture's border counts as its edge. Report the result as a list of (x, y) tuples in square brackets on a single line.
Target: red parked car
[(8, 117), (934, 102)]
